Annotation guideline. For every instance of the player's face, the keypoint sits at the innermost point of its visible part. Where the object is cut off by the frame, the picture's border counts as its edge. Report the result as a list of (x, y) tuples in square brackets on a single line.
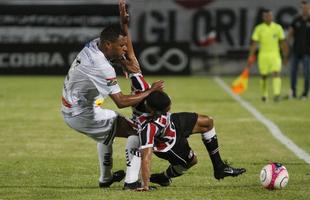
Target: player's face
[(305, 8), (267, 17), (119, 47)]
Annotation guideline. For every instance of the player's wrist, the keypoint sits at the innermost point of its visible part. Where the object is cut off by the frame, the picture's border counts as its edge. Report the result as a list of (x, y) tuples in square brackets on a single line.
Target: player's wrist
[(251, 59)]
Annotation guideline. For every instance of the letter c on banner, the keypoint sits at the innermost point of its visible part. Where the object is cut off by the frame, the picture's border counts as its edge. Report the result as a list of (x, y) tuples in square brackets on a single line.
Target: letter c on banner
[(163, 61)]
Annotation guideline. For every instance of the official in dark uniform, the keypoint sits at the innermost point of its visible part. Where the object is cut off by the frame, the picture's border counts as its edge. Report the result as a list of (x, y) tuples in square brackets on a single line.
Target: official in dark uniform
[(299, 31)]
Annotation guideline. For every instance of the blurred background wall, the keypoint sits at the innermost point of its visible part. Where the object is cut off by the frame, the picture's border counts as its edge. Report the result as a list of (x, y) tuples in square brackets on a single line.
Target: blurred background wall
[(172, 37)]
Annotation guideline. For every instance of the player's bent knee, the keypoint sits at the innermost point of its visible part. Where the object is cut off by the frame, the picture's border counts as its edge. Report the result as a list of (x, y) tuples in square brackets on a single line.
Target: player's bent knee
[(204, 123)]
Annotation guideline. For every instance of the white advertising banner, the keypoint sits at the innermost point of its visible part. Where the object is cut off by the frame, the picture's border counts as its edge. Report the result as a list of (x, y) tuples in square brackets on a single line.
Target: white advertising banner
[(197, 21)]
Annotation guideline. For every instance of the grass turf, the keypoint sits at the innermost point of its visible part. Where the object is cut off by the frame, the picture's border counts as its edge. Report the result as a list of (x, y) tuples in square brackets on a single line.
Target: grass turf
[(41, 158)]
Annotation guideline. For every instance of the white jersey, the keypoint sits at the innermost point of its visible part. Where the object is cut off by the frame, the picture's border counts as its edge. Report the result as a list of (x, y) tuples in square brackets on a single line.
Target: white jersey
[(90, 76)]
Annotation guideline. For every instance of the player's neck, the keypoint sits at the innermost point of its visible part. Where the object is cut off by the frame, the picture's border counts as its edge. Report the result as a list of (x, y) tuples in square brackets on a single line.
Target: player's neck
[(104, 51), (268, 23), (305, 16)]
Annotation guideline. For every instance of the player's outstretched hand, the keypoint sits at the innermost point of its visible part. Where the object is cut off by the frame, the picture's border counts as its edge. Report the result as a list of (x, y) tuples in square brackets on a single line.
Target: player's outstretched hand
[(158, 86), (123, 12)]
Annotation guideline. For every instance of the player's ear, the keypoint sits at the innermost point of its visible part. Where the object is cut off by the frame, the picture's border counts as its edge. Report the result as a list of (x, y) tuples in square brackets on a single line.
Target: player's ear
[(107, 44)]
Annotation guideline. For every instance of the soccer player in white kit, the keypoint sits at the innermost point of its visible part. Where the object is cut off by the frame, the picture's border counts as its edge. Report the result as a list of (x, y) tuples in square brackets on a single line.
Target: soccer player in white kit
[(91, 76)]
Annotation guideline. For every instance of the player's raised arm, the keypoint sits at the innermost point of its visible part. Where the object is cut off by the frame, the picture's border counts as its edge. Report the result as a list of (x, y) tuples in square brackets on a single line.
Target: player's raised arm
[(124, 16), (124, 20)]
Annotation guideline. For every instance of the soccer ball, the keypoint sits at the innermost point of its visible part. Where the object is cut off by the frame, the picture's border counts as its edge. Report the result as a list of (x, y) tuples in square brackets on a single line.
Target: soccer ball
[(274, 176)]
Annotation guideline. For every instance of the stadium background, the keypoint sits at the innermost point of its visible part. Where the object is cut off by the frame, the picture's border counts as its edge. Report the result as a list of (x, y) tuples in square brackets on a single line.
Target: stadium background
[(172, 37), (42, 158)]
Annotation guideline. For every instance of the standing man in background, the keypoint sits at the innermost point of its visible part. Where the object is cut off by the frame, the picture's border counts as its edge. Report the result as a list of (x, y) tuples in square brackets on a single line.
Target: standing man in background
[(299, 31), (269, 35)]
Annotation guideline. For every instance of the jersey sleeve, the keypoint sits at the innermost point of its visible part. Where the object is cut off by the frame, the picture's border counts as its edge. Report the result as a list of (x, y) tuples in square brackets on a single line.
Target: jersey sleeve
[(147, 135), (138, 83), (255, 35), (103, 76), (106, 86)]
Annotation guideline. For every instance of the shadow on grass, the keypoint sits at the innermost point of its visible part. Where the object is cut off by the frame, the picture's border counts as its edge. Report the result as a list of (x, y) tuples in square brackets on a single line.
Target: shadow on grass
[(174, 187), (286, 163), (55, 187), (213, 187)]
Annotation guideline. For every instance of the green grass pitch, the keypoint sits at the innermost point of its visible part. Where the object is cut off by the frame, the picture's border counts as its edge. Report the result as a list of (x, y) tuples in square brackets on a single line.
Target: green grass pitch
[(41, 158)]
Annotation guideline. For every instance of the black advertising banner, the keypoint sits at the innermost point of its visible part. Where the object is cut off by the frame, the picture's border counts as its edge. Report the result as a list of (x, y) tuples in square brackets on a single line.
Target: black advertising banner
[(54, 23), (44, 39), (37, 58), (164, 58), (34, 58)]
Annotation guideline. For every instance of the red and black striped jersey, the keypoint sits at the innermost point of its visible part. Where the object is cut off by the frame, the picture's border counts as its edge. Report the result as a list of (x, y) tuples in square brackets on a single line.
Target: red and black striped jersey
[(138, 85), (158, 133)]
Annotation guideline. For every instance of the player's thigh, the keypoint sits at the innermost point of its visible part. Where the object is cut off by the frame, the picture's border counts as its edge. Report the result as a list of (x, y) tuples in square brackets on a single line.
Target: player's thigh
[(99, 126), (180, 154), (124, 127), (184, 122)]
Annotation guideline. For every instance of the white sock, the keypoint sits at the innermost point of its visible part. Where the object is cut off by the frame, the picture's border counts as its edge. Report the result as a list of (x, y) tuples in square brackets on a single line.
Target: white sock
[(133, 159), (105, 161), (209, 134)]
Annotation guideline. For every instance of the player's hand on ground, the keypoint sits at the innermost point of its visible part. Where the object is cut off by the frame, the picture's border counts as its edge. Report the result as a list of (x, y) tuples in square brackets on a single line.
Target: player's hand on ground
[(157, 86), (146, 189), (142, 189)]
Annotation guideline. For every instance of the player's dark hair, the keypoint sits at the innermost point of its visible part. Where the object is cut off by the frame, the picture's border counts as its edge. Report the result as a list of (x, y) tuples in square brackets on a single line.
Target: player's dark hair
[(266, 10), (304, 2), (111, 33), (158, 101)]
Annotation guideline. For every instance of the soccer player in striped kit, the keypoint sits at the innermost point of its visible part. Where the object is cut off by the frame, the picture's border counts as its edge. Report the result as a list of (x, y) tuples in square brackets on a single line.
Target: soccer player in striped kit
[(167, 133)]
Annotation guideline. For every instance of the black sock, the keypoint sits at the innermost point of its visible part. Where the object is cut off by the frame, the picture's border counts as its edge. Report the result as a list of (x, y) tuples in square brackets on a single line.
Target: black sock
[(213, 150), (171, 172)]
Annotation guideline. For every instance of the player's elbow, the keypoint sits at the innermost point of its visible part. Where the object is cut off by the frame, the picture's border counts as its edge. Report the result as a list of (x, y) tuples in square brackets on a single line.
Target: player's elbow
[(120, 100), (121, 104)]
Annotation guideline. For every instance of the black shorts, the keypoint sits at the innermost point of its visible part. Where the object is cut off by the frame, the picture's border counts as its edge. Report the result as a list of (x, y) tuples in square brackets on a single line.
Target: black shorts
[(181, 153)]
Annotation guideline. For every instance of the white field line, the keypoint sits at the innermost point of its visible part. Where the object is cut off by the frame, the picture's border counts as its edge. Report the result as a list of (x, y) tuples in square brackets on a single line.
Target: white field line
[(273, 128)]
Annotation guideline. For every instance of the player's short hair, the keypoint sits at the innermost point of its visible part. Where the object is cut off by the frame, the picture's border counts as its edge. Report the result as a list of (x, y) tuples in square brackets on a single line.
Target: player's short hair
[(158, 101), (304, 2), (111, 33)]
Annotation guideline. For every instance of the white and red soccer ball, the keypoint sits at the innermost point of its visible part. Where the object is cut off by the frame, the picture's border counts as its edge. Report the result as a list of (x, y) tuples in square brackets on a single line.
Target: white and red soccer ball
[(274, 176)]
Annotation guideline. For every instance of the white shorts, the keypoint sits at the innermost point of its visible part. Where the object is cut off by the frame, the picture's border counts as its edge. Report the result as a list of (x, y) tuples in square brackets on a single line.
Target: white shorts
[(100, 125)]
